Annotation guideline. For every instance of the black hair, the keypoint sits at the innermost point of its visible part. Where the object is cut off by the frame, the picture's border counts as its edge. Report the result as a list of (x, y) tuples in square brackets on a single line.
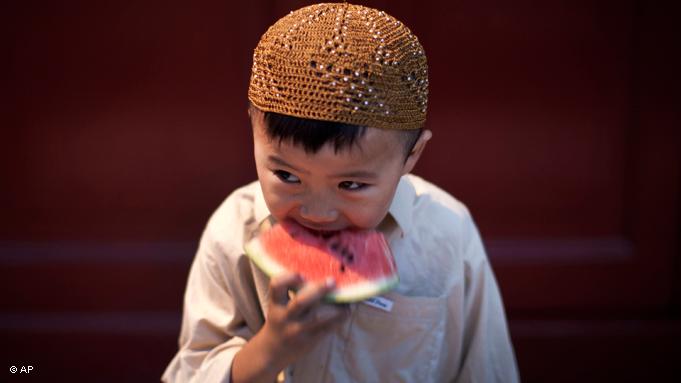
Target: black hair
[(312, 135)]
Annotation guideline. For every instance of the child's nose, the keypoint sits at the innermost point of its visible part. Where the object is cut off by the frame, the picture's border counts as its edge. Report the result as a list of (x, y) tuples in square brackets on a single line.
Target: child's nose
[(318, 213)]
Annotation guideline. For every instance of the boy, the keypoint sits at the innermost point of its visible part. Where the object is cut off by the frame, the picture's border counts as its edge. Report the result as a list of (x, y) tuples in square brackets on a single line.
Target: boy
[(338, 99)]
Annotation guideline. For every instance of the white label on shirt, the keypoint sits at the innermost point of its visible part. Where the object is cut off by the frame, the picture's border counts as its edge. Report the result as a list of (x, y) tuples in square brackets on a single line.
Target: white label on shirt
[(380, 303)]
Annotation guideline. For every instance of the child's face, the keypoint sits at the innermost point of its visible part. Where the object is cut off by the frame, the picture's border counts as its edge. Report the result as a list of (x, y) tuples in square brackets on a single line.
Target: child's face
[(327, 191)]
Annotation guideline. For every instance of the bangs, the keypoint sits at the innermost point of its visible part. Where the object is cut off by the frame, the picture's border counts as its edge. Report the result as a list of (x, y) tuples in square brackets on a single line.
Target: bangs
[(312, 135)]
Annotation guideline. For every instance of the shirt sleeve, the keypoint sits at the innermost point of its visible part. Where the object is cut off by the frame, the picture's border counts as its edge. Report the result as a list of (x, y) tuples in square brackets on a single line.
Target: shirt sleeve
[(488, 354), (213, 330)]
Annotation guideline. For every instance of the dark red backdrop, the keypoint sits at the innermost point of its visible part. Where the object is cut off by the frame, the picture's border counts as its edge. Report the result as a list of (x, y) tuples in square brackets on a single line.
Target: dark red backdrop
[(556, 122)]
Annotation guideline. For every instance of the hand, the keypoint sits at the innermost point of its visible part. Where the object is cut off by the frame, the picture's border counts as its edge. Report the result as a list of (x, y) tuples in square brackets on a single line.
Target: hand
[(291, 330), (293, 327)]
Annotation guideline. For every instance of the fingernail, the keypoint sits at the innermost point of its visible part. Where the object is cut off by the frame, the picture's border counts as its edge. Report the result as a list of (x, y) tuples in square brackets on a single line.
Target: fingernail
[(329, 282)]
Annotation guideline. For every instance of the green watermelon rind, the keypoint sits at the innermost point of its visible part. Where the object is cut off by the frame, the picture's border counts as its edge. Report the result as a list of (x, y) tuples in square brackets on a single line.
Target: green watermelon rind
[(354, 293), (362, 291), (256, 252)]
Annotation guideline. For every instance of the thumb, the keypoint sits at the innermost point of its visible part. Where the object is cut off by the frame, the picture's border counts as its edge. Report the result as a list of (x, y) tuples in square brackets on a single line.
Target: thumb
[(281, 284)]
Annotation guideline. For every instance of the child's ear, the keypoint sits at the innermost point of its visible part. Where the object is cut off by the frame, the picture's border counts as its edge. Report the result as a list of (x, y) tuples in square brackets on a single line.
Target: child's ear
[(415, 153)]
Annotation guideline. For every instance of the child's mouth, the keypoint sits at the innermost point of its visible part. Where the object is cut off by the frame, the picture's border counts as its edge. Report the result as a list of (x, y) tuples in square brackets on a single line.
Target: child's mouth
[(320, 232), (325, 233)]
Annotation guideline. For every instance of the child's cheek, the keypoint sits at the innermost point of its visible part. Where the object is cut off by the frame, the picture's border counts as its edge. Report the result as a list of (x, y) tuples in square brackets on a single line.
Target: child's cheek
[(281, 205), (369, 213)]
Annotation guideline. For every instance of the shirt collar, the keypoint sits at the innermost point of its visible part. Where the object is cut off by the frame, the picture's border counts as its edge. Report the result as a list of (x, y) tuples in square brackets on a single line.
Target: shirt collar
[(260, 210), (400, 207), (402, 204)]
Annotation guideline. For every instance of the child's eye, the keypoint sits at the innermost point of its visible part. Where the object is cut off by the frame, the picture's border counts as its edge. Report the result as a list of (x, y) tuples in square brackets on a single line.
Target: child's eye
[(352, 186), (286, 177)]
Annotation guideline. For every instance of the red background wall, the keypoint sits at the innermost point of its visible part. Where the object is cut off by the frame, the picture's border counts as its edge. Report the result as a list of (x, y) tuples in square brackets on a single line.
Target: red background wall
[(556, 122)]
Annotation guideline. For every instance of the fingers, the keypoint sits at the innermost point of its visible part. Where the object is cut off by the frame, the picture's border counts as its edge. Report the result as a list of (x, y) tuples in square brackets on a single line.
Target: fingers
[(308, 297), (306, 308), (280, 285)]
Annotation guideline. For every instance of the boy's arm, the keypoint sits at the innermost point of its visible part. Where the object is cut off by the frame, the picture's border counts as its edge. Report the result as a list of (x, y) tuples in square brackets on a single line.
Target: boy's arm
[(291, 330), (216, 345), (213, 329), (488, 354)]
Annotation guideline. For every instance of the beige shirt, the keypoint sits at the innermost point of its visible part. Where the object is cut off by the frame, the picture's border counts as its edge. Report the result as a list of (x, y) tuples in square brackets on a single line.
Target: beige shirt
[(445, 321)]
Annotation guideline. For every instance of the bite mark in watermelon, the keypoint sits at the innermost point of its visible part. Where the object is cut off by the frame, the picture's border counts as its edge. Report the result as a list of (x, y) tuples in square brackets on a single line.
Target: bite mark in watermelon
[(360, 262)]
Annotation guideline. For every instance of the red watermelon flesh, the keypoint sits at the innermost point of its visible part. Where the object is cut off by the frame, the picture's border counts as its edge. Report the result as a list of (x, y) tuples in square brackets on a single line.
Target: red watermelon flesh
[(360, 262)]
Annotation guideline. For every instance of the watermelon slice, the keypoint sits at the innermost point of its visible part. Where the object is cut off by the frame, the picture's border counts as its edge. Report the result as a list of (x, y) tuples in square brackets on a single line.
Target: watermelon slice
[(360, 261)]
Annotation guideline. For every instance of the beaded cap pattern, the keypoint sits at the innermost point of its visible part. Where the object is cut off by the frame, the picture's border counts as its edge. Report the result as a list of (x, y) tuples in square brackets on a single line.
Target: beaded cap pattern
[(344, 63)]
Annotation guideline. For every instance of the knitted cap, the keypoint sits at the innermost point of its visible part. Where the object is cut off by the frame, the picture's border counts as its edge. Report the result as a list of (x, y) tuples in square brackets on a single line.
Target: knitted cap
[(344, 63)]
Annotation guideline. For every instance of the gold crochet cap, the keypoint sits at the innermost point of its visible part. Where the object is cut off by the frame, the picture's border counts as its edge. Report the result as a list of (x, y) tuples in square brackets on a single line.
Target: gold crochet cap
[(344, 63)]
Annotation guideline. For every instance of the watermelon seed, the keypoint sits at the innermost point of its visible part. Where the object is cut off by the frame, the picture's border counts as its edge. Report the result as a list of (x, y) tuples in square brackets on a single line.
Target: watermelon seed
[(351, 257), (342, 268), (335, 246)]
